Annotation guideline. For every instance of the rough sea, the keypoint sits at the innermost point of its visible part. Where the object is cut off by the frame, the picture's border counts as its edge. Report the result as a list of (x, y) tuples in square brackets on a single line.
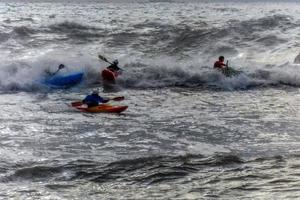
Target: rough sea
[(189, 131)]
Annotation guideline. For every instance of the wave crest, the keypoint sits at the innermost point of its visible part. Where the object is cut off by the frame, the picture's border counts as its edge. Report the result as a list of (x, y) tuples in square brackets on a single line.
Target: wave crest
[(155, 73)]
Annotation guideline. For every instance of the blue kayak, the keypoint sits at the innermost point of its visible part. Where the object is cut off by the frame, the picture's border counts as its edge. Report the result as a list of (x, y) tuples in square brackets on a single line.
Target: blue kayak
[(63, 80)]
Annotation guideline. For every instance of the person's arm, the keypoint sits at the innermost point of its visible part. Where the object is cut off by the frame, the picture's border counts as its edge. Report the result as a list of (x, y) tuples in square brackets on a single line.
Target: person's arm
[(115, 68), (216, 65), (103, 100), (118, 68), (48, 72), (85, 100), (221, 65), (110, 67)]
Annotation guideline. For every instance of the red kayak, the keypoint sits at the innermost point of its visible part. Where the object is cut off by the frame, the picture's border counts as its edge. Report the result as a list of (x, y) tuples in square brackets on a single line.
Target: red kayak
[(109, 75), (103, 108)]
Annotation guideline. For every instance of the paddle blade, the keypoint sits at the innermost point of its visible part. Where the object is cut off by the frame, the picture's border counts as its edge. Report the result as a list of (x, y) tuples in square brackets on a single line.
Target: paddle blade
[(121, 98), (76, 103), (102, 58)]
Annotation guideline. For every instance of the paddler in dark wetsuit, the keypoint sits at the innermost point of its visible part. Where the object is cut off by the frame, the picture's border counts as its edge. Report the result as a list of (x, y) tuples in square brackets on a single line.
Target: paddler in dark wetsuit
[(220, 63), (114, 67), (94, 99)]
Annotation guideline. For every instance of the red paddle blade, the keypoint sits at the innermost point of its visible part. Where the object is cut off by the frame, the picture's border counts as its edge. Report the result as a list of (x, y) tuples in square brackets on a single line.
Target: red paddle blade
[(121, 98), (76, 103)]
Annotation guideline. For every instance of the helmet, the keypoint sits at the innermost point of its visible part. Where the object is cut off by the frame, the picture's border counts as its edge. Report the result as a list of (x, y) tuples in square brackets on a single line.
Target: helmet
[(221, 58), (116, 62), (61, 66), (95, 91)]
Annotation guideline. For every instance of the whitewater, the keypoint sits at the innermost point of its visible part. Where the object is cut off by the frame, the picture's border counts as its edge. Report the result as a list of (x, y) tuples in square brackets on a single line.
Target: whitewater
[(189, 132)]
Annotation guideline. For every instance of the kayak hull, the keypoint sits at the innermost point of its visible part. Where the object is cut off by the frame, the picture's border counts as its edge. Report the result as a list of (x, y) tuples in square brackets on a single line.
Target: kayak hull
[(103, 108), (64, 81)]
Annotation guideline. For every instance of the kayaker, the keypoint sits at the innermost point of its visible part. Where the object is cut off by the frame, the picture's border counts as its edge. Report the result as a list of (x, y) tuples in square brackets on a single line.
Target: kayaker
[(61, 66), (114, 66), (110, 74), (94, 99), (220, 63)]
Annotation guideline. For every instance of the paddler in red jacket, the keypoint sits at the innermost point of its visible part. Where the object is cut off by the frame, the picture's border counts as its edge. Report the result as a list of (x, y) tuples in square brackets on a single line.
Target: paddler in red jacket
[(110, 74), (220, 63)]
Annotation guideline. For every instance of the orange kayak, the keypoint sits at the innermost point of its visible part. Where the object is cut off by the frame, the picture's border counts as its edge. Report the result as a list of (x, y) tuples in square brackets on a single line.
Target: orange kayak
[(103, 108)]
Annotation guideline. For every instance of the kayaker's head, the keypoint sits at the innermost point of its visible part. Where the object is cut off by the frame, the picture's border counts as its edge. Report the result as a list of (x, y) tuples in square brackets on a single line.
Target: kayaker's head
[(221, 58), (95, 91), (61, 66), (116, 62)]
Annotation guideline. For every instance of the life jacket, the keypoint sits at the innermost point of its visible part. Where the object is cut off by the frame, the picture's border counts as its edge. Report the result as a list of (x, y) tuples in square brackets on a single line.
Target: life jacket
[(109, 75), (218, 64), (93, 99)]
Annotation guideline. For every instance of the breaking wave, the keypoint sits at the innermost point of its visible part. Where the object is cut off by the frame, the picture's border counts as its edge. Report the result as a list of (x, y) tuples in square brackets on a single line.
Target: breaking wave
[(150, 75), (167, 53)]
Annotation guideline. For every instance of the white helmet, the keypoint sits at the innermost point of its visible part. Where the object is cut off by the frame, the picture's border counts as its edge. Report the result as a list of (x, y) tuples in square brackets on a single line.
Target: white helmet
[(95, 91)]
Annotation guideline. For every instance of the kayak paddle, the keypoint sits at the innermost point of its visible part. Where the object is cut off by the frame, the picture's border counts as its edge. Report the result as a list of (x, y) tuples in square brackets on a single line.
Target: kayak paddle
[(76, 103), (227, 66), (61, 66), (105, 60), (120, 98)]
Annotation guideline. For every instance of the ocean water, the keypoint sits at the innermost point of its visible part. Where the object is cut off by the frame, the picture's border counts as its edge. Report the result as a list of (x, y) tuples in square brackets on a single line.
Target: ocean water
[(189, 131)]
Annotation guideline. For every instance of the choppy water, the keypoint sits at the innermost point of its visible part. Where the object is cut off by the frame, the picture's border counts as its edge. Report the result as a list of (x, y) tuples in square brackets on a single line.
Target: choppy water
[(189, 132)]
